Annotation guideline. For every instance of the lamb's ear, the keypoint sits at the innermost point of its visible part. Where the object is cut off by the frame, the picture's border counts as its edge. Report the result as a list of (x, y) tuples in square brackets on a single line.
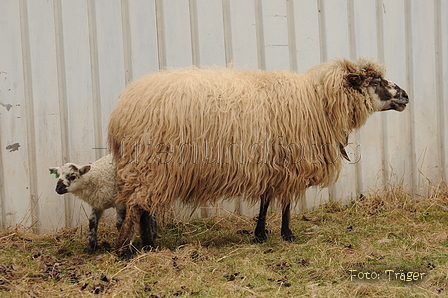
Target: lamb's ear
[(84, 170), (354, 79), (53, 169)]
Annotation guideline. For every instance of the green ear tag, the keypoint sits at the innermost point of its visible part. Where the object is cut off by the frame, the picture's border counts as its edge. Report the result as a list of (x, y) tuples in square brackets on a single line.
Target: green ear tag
[(55, 173)]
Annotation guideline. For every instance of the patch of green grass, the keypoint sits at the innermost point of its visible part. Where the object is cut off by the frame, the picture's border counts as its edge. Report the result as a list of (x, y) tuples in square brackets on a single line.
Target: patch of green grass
[(390, 233)]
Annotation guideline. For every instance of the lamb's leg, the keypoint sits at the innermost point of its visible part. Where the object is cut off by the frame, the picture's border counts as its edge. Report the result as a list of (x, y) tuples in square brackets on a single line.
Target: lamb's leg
[(260, 230), (286, 218), (127, 231), (153, 225), (148, 230), (93, 228), (121, 213)]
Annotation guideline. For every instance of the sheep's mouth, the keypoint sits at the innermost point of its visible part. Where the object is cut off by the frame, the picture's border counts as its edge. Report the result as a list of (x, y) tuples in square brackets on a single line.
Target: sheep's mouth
[(399, 106)]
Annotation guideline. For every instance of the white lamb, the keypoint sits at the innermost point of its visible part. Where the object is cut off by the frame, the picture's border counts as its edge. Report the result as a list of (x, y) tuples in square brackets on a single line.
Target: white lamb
[(95, 185)]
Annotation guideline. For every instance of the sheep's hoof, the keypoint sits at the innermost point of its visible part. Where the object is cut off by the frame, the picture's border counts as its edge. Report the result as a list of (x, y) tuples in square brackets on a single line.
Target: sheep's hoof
[(148, 248), (260, 239), (125, 253), (289, 238)]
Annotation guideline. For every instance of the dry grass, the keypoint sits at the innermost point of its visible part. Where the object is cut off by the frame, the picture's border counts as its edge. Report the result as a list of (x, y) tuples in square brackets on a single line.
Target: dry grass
[(215, 257)]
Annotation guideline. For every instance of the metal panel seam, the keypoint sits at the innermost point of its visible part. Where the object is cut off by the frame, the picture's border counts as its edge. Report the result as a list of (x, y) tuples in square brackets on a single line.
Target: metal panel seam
[(228, 45), (291, 35), (260, 34), (127, 42), (195, 55), (160, 34), (410, 87), (439, 87)]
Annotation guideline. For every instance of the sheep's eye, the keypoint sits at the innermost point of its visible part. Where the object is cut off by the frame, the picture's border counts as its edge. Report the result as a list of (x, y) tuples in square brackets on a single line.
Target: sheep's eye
[(375, 83), (71, 177)]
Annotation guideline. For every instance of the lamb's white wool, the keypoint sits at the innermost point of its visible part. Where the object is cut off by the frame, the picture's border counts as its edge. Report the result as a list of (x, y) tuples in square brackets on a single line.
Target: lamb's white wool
[(95, 185)]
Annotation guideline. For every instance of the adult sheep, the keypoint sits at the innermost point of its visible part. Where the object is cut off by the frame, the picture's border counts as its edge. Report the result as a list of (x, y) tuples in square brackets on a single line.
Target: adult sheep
[(95, 184), (199, 135)]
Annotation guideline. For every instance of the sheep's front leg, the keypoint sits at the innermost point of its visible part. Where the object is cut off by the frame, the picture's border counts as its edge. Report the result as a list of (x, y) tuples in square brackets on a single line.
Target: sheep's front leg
[(121, 214), (148, 230), (260, 230), (127, 231), (286, 218), (93, 228)]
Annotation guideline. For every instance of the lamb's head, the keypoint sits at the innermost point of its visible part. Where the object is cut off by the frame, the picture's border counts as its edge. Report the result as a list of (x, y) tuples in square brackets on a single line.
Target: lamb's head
[(70, 177), (368, 78)]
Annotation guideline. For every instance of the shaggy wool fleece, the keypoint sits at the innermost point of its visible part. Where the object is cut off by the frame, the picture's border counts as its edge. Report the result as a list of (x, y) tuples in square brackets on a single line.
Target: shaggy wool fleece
[(199, 135)]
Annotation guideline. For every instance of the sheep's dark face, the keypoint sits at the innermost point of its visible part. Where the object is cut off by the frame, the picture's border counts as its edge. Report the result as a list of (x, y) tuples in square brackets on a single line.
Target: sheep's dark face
[(70, 177), (385, 95)]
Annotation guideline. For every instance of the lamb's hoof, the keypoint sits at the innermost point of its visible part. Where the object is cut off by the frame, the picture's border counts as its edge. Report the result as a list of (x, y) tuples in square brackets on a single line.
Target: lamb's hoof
[(289, 238), (90, 249)]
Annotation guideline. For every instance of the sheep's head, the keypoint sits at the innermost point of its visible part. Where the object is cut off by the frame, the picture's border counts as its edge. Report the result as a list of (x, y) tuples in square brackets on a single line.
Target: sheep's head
[(385, 94), (70, 177)]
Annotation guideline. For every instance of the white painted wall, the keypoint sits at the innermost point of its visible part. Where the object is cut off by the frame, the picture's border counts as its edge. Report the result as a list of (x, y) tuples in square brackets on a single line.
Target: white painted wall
[(63, 64)]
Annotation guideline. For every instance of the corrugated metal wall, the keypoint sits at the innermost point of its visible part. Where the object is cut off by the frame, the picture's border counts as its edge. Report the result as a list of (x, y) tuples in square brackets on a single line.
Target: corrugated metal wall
[(64, 62)]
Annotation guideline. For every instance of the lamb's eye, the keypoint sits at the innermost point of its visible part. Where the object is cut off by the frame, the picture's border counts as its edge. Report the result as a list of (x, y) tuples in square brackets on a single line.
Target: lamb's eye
[(71, 177), (375, 83)]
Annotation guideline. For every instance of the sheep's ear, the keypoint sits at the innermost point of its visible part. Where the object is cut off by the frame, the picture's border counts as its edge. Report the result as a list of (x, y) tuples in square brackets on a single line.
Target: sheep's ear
[(84, 170), (354, 79)]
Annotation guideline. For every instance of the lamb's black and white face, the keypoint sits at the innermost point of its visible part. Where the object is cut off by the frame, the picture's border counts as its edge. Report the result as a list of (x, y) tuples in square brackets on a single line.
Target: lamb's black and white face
[(69, 177), (386, 95)]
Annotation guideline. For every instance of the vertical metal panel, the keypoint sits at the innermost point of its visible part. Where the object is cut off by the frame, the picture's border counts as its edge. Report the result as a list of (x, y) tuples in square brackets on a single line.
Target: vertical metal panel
[(424, 87), (111, 65), (399, 161), (45, 109), (244, 34), (177, 34), (14, 166), (62, 92), (81, 88), (64, 63), (335, 31), (369, 169), (210, 29), (306, 29), (275, 30), (144, 43)]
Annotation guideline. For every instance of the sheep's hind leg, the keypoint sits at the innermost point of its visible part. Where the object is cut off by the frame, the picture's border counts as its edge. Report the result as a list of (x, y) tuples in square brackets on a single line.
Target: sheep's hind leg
[(127, 232), (260, 230), (93, 229), (148, 230), (286, 230)]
